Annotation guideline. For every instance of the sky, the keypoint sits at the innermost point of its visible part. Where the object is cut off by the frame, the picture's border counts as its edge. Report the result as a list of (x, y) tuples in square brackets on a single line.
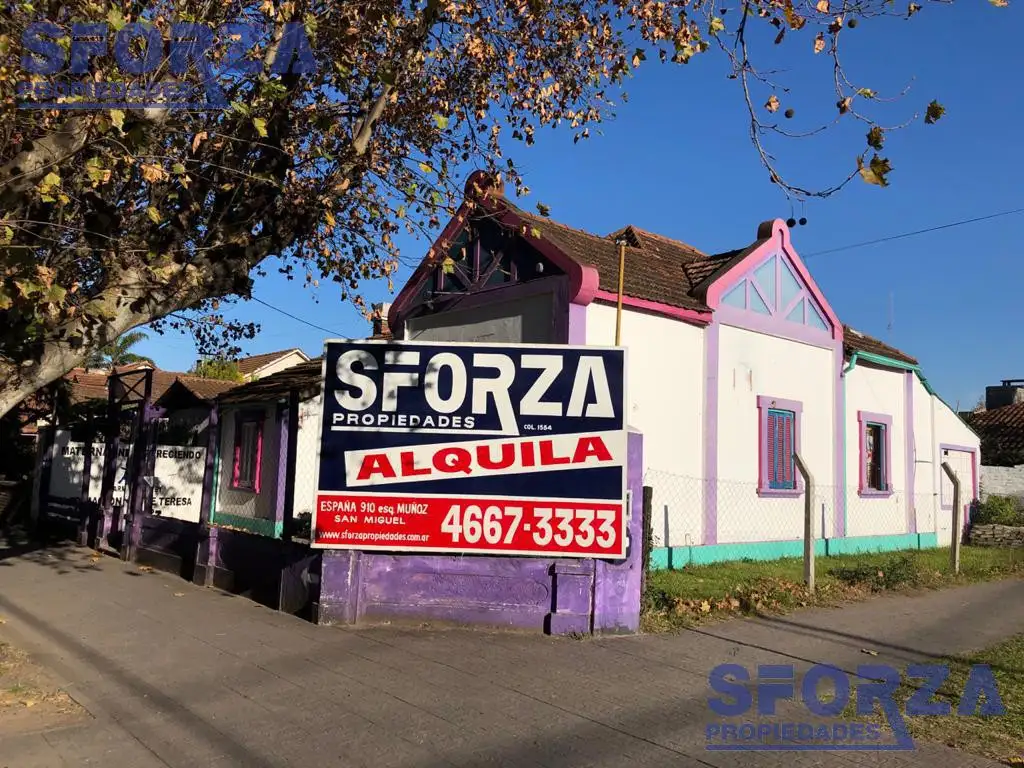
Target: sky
[(677, 160)]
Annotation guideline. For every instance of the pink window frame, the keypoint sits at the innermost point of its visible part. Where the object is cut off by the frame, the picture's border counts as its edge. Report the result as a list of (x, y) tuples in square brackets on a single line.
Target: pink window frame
[(248, 417), (863, 419), (765, 404)]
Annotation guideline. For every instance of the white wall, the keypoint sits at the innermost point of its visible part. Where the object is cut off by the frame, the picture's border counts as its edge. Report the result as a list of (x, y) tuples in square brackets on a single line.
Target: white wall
[(307, 445), (754, 364), (665, 387), (883, 392), (178, 476), (246, 503), (281, 364), (951, 430), (1002, 481), (926, 499)]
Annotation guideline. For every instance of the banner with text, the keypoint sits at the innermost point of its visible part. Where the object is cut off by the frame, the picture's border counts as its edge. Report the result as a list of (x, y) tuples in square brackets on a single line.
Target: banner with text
[(455, 447)]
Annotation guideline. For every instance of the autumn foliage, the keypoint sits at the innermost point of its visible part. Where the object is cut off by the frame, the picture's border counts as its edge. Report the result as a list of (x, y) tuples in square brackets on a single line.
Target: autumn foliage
[(115, 218)]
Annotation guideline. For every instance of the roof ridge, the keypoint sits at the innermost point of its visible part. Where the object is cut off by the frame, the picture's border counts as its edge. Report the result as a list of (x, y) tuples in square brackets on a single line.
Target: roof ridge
[(665, 238)]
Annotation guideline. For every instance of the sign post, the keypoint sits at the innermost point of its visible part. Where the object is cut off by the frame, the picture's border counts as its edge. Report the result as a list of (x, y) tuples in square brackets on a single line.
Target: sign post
[(516, 449)]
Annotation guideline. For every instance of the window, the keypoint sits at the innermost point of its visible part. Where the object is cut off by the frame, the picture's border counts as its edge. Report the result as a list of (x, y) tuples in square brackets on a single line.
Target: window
[(779, 436), (248, 452), (875, 454)]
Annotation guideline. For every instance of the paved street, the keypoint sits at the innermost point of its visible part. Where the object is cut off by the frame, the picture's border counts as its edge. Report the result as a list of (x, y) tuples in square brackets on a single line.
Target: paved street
[(176, 675)]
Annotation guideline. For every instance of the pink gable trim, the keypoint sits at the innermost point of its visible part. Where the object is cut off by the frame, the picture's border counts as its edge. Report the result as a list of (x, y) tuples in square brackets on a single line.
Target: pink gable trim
[(776, 238), (678, 313), (583, 278)]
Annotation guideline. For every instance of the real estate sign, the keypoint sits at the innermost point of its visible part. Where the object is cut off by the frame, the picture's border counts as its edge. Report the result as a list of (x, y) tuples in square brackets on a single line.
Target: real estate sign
[(443, 447)]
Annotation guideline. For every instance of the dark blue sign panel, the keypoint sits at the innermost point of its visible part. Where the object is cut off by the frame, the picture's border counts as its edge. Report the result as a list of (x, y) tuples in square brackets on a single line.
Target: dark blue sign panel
[(515, 449)]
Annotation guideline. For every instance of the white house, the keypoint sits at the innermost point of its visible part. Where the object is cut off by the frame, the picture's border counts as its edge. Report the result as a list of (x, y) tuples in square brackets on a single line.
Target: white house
[(735, 361)]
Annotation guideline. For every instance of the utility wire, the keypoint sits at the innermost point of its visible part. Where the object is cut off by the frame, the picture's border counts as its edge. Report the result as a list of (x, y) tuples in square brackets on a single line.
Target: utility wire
[(299, 319), (912, 234), (840, 248)]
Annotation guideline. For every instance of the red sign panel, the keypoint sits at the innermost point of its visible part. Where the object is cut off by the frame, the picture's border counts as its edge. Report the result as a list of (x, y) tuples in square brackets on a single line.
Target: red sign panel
[(518, 526)]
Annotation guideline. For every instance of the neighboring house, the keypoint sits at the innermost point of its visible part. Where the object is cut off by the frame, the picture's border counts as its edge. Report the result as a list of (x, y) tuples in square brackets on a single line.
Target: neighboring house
[(1000, 425), (256, 422), (735, 360), (263, 365)]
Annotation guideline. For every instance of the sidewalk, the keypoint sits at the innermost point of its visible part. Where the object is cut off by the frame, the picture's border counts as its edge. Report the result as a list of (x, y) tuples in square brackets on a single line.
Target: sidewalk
[(175, 675)]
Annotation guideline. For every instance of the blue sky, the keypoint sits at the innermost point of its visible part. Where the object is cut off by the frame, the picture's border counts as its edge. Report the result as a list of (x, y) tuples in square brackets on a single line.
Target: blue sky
[(677, 161)]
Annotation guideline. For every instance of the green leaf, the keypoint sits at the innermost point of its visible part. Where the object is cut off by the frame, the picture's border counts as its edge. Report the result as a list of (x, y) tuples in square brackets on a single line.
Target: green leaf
[(240, 108), (26, 287), (867, 93), (154, 215), (260, 124), (117, 118), (49, 181), (6, 302), (426, 168), (448, 265), (178, 168), (115, 19), (716, 26), (442, 121), (8, 235), (5, 44), (56, 294), (876, 171), (934, 112), (534, 232), (273, 90), (48, 198)]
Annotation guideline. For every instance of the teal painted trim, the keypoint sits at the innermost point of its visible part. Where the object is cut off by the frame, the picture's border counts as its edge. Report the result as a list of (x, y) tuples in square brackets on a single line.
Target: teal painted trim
[(681, 557), (258, 525)]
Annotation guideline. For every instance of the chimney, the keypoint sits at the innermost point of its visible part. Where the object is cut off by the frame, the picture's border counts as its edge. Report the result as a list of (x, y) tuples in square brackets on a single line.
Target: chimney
[(380, 320), (1009, 392)]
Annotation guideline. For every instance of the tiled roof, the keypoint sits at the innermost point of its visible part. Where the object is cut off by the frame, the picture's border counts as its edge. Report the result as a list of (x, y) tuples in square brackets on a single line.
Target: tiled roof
[(302, 377), (92, 385), (248, 365), (657, 268), (1002, 434), (855, 341)]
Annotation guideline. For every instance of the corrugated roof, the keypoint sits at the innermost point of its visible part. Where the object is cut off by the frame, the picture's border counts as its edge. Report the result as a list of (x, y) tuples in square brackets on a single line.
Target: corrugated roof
[(277, 385)]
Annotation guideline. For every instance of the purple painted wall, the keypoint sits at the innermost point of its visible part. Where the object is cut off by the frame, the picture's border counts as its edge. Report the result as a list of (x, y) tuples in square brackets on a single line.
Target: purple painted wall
[(539, 594)]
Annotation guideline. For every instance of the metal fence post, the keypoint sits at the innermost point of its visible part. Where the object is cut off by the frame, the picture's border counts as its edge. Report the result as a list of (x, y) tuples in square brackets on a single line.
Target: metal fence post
[(808, 521), (956, 533)]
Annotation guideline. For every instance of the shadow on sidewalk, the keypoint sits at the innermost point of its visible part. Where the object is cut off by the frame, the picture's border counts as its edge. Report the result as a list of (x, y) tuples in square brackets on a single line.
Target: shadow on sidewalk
[(159, 700), (61, 555)]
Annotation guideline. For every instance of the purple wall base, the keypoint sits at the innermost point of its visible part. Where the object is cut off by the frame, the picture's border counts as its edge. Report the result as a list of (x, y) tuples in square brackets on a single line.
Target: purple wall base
[(558, 596)]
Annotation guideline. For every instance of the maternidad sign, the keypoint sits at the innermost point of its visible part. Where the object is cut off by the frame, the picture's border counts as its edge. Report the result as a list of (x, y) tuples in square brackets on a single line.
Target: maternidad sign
[(515, 449)]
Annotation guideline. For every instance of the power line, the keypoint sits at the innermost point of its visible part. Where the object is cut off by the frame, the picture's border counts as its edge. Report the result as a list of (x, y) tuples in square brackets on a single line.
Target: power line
[(295, 317), (912, 234), (838, 249)]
